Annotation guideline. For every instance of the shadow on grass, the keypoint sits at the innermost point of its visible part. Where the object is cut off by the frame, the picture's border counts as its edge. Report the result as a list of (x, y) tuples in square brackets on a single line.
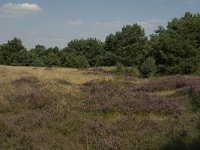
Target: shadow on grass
[(180, 144)]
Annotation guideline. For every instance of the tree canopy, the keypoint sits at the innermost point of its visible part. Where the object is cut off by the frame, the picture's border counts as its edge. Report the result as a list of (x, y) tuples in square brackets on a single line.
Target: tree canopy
[(129, 46), (177, 48)]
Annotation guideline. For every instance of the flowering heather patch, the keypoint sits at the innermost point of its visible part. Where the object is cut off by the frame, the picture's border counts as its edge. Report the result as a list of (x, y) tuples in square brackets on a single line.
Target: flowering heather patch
[(30, 97), (101, 135), (167, 83), (25, 80), (29, 93), (99, 71), (29, 119), (105, 97), (62, 81)]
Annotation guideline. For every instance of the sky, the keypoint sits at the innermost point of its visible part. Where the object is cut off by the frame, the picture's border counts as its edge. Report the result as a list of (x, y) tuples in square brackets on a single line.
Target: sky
[(56, 22)]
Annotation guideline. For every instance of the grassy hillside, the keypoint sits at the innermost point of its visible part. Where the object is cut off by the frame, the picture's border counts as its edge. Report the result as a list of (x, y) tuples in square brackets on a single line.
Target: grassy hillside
[(59, 108)]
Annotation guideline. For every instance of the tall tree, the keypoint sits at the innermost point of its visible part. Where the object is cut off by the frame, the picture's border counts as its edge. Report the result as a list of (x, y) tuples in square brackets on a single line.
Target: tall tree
[(52, 59), (177, 48), (91, 48), (11, 49), (129, 45), (72, 60), (38, 55)]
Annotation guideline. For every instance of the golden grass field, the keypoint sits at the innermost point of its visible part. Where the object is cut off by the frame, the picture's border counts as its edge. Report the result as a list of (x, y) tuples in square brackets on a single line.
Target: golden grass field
[(63, 108)]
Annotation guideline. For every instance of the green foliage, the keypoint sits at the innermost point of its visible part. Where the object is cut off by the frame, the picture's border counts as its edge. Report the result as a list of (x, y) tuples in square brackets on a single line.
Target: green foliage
[(198, 120), (129, 45), (82, 62), (106, 59), (37, 56), (194, 99), (52, 59), (122, 70), (20, 58), (91, 48), (73, 61), (1, 56), (148, 68), (197, 72), (38, 62), (10, 50), (177, 48)]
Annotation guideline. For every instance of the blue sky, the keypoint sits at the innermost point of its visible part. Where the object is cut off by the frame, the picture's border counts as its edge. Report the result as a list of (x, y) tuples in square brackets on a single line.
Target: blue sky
[(56, 22)]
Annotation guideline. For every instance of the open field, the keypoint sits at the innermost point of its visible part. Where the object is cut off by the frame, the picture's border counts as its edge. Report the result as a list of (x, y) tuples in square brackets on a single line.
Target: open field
[(60, 108)]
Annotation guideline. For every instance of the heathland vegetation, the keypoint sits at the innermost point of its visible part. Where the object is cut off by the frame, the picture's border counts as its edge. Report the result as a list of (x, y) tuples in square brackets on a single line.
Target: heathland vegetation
[(53, 98), (61, 108)]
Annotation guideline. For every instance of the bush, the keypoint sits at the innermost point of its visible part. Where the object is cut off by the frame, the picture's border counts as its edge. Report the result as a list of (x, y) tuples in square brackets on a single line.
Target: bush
[(148, 68), (198, 120), (175, 48), (74, 61), (82, 62), (122, 70), (194, 99), (197, 73), (38, 62)]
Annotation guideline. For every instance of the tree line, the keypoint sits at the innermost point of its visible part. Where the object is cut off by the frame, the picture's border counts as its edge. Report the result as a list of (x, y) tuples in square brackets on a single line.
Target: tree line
[(171, 50)]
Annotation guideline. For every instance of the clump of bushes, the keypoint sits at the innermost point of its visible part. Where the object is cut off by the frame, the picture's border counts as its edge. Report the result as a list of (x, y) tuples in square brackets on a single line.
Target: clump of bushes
[(120, 69), (148, 68), (194, 99), (74, 61), (179, 138)]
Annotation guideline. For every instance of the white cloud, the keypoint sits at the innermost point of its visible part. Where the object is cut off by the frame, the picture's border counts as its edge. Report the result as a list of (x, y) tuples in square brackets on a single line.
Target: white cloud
[(74, 23), (22, 7), (159, 0), (59, 39), (151, 24), (78, 23), (191, 2), (112, 24), (10, 10), (188, 2)]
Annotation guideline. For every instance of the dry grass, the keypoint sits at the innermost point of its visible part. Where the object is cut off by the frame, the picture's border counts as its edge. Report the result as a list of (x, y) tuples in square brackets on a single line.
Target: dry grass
[(166, 93), (9, 73)]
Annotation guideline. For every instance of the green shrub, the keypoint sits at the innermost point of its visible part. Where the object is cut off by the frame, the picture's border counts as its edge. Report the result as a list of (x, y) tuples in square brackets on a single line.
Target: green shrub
[(198, 120), (82, 62), (3, 128), (194, 99), (120, 69), (148, 68), (74, 61), (132, 71), (38, 62), (197, 73)]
